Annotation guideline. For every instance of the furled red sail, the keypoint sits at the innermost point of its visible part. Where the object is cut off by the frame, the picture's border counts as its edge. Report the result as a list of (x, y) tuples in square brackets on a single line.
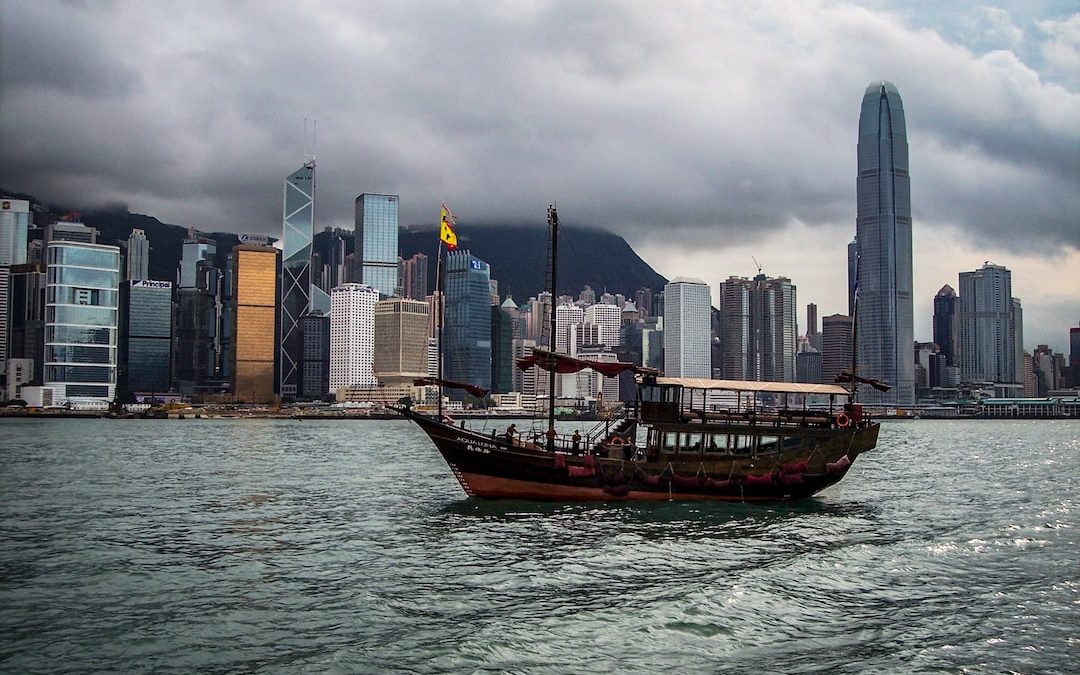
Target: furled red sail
[(561, 363), (478, 392)]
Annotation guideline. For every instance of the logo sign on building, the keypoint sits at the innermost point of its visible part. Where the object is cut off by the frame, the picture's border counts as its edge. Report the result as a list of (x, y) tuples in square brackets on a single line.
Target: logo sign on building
[(151, 284), (476, 265), (7, 205), (259, 239)]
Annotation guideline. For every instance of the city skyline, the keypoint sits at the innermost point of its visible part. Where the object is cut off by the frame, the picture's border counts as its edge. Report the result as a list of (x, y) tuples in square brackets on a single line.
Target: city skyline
[(694, 188)]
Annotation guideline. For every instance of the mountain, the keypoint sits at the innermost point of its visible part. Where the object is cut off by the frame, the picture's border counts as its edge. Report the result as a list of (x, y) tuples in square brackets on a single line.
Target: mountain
[(518, 258), (517, 253)]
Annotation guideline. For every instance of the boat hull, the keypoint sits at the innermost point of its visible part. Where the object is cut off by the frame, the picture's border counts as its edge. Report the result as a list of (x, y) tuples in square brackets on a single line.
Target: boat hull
[(491, 468)]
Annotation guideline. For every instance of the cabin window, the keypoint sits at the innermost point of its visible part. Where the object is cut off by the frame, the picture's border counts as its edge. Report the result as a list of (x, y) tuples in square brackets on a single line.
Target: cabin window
[(717, 443), (767, 443), (690, 443), (670, 440)]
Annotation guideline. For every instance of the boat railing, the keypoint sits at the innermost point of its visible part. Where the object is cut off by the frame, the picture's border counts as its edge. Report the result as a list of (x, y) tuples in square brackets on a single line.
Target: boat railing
[(759, 417)]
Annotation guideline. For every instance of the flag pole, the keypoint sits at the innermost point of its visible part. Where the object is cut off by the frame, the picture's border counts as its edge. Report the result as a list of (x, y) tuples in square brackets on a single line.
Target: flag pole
[(440, 317)]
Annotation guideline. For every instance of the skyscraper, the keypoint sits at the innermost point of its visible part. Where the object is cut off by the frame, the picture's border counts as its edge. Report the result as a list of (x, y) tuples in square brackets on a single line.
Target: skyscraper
[(467, 354), (315, 378), (687, 318), (82, 289), (352, 336), (401, 340), (609, 319), (1074, 356), (987, 321), (298, 230), (255, 296), (566, 316), (758, 333), (413, 275), (836, 347), (376, 218), (945, 323), (138, 256), (14, 226), (146, 340), (885, 314), (26, 315)]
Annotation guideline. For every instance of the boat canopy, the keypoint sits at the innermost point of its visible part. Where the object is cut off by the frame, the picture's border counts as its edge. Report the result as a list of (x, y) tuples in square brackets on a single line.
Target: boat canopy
[(741, 385)]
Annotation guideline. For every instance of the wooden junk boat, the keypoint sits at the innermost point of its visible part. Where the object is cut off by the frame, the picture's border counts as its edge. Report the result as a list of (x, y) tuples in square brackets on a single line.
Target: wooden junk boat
[(680, 439)]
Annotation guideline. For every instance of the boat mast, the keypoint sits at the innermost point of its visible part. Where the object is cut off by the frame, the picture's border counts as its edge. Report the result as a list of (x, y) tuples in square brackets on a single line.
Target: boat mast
[(553, 226), (440, 316)]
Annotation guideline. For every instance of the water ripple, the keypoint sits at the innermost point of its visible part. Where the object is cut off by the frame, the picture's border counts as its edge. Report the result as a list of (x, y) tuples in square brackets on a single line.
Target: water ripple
[(347, 546)]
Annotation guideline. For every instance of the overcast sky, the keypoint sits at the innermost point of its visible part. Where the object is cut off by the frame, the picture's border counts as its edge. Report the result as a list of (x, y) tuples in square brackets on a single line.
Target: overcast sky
[(704, 133)]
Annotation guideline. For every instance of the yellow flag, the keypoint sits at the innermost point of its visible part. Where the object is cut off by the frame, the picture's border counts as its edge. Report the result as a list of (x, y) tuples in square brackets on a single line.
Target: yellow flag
[(446, 228)]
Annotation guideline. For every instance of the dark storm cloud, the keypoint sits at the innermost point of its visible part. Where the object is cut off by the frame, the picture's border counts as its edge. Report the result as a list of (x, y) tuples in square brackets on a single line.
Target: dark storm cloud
[(706, 125)]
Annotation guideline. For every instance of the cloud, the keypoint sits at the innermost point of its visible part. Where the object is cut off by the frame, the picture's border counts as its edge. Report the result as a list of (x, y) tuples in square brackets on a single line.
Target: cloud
[(701, 124)]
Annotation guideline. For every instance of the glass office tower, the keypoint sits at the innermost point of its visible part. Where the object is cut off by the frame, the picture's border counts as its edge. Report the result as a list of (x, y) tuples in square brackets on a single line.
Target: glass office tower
[(377, 242), (298, 230), (885, 315), (147, 344), (467, 355), (81, 298)]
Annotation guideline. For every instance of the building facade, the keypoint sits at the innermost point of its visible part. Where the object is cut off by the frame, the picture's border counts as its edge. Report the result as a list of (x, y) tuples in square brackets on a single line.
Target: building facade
[(146, 336), (945, 328), (608, 319), (298, 231), (138, 256), (352, 336), (836, 347), (26, 315), (315, 375), (467, 354), (401, 340), (376, 233), (255, 296), (884, 313), (82, 300), (987, 326), (687, 320), (413, 277), (758, 331)]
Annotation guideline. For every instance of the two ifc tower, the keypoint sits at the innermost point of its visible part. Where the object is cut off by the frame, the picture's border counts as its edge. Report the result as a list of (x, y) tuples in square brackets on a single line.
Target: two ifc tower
[(881, 279)]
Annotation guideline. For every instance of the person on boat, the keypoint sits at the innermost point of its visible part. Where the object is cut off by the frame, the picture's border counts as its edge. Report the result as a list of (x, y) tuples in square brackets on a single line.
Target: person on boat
[(576, 438), (511, 431)]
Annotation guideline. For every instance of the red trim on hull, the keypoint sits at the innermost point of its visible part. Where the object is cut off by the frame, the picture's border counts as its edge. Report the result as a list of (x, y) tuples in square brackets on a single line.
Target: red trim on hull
[(493, 487)]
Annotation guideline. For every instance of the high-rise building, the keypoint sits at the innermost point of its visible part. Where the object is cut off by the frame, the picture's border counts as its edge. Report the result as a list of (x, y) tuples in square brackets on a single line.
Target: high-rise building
[(566, 316), (467, 356), (198, 331), (852, 274), (14, 229), (687, 318), (26, 315), (987, 336), (758, 333), (652, 342), (836, 347), (413, 273), (502, 348), (643, 300), (328, 264), (146, 335), (945, 323), (70, 231), (352, 336), (298, 230), (885, 313), (138, 256), (401, 340), (609, 320), (82, 293), (587, 296), (255, 295), (315, 367), (1074, 356), (376, 233), (808, 366), (194, 250), (811, 320)]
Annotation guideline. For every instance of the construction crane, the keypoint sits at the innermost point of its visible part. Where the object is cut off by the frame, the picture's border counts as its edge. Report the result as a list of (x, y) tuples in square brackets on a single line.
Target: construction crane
[(756, 263)]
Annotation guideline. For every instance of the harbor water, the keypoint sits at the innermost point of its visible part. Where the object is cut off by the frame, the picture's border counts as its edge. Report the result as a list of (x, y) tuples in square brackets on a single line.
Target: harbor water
[(347, 546)]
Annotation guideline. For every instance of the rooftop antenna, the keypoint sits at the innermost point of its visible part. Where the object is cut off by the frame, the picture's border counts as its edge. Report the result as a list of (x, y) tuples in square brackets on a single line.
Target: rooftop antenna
[(309, 157)]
